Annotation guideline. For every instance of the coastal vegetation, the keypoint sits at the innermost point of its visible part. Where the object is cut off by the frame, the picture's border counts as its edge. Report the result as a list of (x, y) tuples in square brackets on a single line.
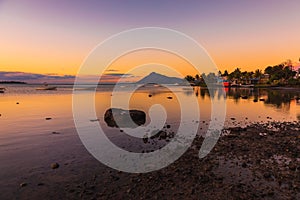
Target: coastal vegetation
[(284, 74)]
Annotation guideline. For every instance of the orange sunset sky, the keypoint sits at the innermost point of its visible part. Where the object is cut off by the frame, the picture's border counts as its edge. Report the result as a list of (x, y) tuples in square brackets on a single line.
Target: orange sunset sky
[(54, 37)]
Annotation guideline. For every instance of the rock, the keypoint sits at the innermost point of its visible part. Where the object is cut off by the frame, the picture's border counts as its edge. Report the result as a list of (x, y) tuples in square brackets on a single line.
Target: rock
[(232, 118), (237, 129), (94, 120), (115, 117), (150, 95), (267, 175), (17, 103), (168, 126), (23, 184), (261, 99), (244, 97), (54, 165), (145, 139), (55, 133), (244, 165), (292, 167), (169, 97), (48, 118), (255, 100), (162, 135)]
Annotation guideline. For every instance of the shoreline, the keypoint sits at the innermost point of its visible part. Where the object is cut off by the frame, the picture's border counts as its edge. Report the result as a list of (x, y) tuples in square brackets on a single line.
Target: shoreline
[(260, 161)]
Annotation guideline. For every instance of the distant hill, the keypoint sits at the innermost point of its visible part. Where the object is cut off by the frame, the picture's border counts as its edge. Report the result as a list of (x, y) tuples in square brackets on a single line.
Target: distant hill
[(12, 82), (159, 79)]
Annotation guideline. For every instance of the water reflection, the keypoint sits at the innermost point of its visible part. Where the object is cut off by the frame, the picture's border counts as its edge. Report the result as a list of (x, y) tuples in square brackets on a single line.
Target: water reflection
[(273, 97), (243, 104)]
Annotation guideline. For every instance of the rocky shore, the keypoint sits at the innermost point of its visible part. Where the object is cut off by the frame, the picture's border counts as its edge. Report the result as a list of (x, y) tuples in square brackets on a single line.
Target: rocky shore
[(260, 161)]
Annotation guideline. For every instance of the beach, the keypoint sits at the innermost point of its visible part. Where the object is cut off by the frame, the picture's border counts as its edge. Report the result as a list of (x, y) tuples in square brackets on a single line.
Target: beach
[(257, 157), (260, 161)]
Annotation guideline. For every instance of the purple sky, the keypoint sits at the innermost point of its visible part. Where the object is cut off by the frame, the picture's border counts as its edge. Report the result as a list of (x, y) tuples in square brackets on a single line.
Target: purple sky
[(54, 36)]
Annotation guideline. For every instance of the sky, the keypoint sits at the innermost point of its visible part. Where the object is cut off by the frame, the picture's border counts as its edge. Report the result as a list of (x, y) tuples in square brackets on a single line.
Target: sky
[(55, 36)]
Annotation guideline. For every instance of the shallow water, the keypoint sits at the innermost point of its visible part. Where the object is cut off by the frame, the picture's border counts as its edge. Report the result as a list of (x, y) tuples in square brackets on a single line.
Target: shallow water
[(23, 109)]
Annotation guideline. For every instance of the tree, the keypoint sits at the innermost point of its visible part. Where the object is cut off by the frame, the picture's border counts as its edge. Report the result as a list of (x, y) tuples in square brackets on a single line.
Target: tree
[(257, 73), (269, 70), (189, 78), (225, 73)]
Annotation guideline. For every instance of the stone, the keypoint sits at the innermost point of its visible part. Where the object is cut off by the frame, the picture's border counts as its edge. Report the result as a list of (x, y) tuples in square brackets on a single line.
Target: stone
[(54, 165), (115, 117), (162, 135), (23, 184), (244, 165)]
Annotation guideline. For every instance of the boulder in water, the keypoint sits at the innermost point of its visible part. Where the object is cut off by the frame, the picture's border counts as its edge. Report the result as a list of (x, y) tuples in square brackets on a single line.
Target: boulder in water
[(116, 117)]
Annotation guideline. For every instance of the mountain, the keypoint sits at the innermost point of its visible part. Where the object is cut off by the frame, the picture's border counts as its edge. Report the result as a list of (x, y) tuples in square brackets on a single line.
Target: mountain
[(159, 79)]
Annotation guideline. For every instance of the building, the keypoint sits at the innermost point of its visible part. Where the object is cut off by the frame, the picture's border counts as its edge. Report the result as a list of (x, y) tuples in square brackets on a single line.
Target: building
[(297, 70)]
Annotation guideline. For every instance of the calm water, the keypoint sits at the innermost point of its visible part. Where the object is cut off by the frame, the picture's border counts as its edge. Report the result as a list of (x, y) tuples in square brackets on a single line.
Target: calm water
[(23, 109)]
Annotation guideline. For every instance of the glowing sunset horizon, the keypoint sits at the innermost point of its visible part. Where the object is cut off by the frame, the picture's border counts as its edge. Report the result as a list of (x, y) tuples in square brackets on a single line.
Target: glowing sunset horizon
[(55, 37)]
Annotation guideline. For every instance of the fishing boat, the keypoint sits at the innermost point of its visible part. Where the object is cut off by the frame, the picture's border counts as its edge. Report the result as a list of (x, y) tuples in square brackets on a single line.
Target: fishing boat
[(47, 88)]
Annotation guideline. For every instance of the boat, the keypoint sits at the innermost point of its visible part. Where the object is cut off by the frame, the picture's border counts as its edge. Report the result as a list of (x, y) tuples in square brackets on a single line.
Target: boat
[(2, 90), (247, 86), (47, 88), (226, 84)]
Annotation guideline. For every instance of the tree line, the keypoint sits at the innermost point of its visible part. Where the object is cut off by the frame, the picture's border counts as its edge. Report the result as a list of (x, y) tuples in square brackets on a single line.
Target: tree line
[(281, 74)]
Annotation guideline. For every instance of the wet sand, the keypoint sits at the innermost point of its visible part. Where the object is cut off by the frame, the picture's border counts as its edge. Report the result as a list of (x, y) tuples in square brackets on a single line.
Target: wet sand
[(260, 161)]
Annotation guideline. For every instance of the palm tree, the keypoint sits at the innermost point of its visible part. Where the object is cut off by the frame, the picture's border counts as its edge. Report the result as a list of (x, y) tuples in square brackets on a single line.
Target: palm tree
[(257, 73)]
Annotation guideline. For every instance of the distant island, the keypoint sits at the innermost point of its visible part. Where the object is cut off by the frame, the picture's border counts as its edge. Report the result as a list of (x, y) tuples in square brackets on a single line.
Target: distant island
[(156, 78), (12, 82)]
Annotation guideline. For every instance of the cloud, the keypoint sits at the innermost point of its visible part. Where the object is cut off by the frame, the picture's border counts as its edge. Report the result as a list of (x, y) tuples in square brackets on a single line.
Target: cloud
[(55, 78), (112, 70), (118, 75), (35, 78)]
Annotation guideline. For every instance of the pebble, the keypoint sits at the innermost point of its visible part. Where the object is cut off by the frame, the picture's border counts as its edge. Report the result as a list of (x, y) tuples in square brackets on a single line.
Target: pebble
[(23, 184), (54, 165)]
